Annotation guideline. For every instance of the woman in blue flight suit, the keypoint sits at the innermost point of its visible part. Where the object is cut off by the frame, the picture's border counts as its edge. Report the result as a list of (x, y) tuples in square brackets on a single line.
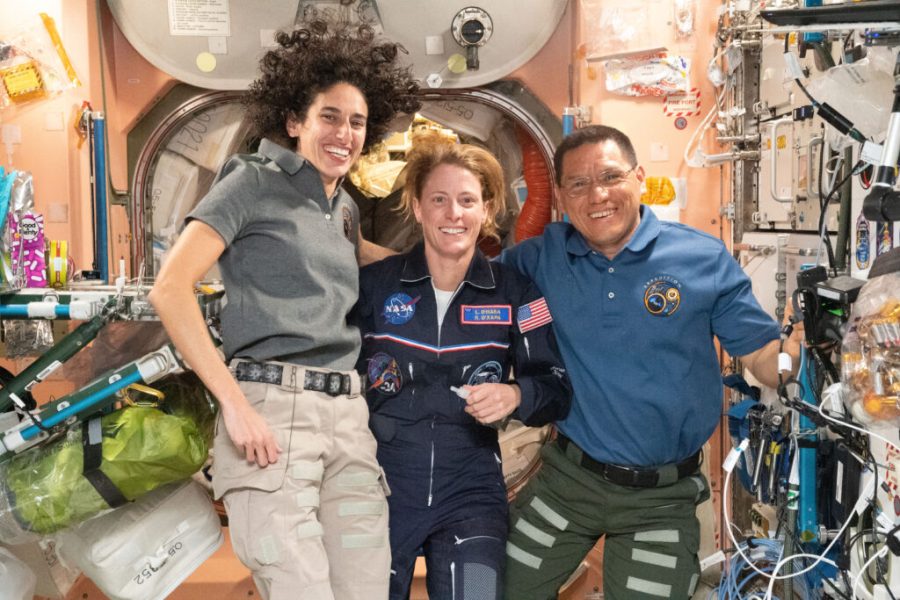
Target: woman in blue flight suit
[(443, 331)]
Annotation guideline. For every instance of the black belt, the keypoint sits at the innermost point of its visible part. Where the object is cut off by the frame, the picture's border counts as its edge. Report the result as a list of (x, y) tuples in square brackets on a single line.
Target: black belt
[(632, 476), (333, 383)]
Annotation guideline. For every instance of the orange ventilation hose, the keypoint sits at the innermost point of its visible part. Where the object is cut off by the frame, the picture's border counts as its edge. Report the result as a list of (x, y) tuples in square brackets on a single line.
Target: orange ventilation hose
[(536, 212)]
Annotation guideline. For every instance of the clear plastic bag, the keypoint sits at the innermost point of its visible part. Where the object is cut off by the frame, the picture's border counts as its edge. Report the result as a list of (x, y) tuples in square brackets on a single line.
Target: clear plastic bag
[(870, 352), (16, 579), (16, 199), (33, 62), (648, 75), (44, 489), (27, 338), (870, 83), (684, 18), (610, 29)]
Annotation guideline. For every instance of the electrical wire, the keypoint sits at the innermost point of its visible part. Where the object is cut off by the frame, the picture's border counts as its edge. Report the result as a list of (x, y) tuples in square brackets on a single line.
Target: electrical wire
[(872, 534), (864, 568), (823, 205), (818, 558), (835, 590), (701, 130), (833, 396), (849, 425), (865, 179), (737, 576), (773, 576)]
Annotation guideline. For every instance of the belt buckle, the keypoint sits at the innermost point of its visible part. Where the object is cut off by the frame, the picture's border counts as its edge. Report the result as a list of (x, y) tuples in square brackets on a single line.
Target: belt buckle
[(333, 383), (638, 478)]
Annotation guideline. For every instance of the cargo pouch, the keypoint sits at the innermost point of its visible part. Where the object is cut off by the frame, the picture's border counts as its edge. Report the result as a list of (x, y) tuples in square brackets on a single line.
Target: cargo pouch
[(92, 445), (230, 467)]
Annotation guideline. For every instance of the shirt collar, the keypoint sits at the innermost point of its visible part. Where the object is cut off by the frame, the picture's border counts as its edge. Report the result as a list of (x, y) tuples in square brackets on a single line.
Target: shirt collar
[(289, 161), (646, 232), (415, 268)]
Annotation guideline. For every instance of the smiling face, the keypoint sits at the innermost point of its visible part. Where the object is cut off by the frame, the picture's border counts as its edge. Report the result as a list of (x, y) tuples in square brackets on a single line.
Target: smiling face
[(607, 213), (451, 211), (332, 135)]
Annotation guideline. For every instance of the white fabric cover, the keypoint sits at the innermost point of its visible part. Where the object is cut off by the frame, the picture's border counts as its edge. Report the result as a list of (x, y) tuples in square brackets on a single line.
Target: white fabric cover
[(16, 580), (144, 550)]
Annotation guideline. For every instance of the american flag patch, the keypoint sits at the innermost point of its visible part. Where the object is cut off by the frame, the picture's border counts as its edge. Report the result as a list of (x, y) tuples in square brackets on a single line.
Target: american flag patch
[(533, 315)]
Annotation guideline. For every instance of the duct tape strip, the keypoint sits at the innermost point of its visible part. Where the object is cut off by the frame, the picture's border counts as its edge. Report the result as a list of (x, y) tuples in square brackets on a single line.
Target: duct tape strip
[(58, 267), (683, 104)]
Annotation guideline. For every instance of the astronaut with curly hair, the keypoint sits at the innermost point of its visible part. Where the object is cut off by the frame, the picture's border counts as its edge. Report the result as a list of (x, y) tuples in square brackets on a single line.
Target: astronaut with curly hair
[(294, 458)]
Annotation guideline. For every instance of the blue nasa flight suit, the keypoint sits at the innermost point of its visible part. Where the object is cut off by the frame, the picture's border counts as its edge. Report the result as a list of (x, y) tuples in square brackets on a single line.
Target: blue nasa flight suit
[(448, 496)]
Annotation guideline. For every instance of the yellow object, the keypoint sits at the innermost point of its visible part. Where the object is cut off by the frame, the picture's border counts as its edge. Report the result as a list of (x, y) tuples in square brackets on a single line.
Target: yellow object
[(206, 62), (881, 407), (22, 81), (50, 26), (127, 395), (456, 63), (58, 263), (658, 190)]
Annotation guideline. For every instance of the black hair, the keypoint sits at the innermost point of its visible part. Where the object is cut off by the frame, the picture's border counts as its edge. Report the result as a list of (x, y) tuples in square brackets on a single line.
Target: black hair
[(592, 134), (311, 59)]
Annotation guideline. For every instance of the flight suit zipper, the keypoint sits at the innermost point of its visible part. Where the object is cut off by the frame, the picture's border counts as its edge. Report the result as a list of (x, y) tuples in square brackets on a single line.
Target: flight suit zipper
[(431, 469)]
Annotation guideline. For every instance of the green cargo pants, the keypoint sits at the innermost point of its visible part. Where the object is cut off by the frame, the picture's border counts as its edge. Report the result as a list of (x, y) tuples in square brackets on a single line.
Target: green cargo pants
[(652, 534)]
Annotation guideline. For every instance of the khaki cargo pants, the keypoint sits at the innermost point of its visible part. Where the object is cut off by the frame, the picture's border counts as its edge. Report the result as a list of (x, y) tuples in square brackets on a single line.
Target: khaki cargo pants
[(314, 525)]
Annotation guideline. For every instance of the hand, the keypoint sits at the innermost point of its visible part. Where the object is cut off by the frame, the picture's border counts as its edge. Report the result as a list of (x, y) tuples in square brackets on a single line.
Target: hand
[(250, 433), (492, 402), (797, 338)]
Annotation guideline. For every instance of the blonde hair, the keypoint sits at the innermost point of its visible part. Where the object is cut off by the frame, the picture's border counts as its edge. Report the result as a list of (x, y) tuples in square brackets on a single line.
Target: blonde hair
[(430, 153)]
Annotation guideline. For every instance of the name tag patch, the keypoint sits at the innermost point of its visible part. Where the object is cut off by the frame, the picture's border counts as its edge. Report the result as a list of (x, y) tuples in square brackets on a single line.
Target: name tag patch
[(486, 314)]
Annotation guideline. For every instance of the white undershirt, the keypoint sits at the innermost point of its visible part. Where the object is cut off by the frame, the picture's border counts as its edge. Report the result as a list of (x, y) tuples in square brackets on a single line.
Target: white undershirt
[(442, 298)]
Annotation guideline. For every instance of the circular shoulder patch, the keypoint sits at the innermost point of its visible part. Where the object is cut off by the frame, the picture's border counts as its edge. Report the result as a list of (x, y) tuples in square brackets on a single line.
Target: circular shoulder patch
[(399, 308), (384, 374)]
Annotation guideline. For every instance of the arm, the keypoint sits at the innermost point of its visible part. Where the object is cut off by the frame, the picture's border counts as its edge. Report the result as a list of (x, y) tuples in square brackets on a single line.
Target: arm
[(744, 329), (195, 252), (542, 391), (370, 252), (763, 363)]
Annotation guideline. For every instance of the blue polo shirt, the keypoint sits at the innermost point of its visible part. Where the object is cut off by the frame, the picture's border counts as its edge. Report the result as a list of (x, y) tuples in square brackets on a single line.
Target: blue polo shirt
[(636, 335)]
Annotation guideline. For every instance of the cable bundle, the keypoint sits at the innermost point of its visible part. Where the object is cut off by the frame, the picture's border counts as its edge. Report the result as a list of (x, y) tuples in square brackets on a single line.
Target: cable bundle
[(741, 581)]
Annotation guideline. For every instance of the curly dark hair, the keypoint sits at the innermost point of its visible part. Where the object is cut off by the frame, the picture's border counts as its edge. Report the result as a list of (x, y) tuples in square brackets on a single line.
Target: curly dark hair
[(311, 59)]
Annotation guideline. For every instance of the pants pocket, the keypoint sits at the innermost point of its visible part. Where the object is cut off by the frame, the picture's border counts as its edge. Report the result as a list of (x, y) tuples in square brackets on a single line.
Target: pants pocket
[(231, 470)]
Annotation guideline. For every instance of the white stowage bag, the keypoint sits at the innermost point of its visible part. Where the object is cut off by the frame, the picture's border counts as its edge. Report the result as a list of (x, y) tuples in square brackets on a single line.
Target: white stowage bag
[(17, 581), (144, 550)]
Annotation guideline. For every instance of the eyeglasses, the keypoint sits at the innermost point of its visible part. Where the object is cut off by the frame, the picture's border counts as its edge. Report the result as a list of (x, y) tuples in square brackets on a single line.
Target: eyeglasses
[(579, 187)]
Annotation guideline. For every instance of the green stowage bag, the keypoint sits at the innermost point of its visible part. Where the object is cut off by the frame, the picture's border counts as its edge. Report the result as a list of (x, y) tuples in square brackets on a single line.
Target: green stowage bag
[(44, 489)]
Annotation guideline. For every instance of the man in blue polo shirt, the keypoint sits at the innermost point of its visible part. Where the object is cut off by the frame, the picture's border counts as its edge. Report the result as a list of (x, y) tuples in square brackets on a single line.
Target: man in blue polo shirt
[(637, 304)]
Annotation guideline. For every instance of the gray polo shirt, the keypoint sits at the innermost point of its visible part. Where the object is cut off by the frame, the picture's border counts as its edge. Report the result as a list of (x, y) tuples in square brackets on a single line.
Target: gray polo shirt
[(290, 267)]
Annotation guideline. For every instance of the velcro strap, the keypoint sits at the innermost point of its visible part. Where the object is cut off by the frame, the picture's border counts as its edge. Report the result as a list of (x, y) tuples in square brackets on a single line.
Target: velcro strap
[(92, 446)]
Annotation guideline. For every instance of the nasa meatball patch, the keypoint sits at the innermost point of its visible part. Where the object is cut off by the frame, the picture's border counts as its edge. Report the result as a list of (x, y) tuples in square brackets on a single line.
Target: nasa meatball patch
[(399, 308)]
